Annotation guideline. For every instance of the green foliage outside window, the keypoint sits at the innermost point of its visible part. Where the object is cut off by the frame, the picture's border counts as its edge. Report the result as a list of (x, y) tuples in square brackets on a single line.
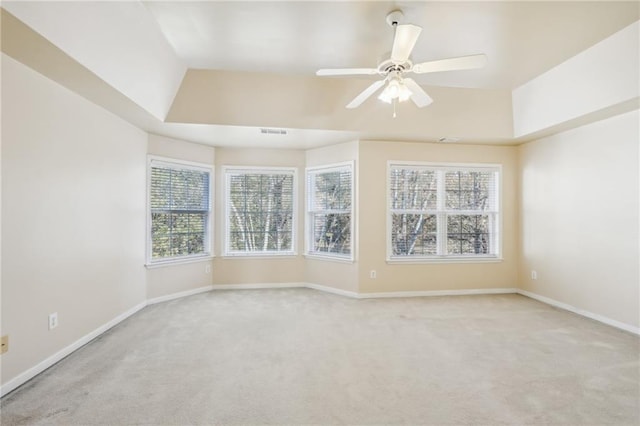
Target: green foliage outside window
[(179, 201)]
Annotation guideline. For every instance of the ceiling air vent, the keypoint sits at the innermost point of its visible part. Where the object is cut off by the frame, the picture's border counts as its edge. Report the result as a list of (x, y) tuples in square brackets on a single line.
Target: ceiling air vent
[(448, 140), (273, 131)]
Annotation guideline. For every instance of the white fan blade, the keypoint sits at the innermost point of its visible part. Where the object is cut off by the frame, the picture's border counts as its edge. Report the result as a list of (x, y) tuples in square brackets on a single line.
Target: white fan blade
[(451, 64), (418, 95), (365, 94), (405, 38), (347, 71)]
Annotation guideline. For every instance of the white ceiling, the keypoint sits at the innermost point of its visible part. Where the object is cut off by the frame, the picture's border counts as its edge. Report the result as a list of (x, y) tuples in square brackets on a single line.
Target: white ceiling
[(141, 50), (521, 39)]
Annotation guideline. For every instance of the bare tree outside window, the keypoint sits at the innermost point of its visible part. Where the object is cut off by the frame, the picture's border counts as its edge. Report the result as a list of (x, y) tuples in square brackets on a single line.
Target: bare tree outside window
[(468, 191), (329, 210), (439, 211), (413, 204), (260, 211)]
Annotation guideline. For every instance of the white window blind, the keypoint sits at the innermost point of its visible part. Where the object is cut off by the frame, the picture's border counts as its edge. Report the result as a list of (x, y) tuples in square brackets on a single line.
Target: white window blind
[(260, 211), (329, 211), (179, 208), (440, 211)]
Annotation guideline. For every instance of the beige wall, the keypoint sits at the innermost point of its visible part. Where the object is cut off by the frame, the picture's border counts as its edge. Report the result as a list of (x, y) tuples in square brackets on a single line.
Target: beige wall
[(344, 275), (580, 217), (480, 115), (168, 280), (180, 150), (257, 270), (73, 216), (175, 278), (372, 221), (370, 247)]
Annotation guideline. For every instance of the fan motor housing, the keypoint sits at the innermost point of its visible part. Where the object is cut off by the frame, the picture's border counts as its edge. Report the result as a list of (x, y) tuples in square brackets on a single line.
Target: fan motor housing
[(394, 17), (389, 66)]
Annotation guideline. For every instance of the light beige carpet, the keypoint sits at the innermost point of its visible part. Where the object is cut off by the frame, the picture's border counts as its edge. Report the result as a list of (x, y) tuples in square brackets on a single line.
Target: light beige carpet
[(298, 356)]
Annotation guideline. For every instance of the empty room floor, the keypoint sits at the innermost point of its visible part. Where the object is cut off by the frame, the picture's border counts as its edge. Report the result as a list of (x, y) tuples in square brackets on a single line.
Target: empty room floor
[(299, 356)]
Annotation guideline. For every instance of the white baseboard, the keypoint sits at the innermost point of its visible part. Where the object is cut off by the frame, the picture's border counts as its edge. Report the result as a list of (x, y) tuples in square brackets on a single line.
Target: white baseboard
[(332, 290), (40, 367), (582, 312), (427, 293), (256, 286), (355, 295), (179, 295)]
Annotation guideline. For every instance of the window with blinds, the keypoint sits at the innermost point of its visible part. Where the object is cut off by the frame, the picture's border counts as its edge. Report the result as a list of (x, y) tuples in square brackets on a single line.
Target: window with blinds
[(260, 206), (442, 211), (179, 209), (329, 211)]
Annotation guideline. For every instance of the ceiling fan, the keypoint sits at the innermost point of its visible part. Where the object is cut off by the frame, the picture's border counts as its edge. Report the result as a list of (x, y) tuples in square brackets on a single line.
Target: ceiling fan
[(400, 88)]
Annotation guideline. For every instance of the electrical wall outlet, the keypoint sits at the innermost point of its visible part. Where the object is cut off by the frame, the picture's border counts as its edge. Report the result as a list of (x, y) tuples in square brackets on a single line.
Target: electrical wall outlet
[(207, 269), (534, 275), (4, 344), (53, 320), (372, 274)]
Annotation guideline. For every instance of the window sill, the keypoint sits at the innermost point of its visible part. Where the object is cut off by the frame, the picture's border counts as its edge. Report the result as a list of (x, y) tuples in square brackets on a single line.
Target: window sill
[(182, 261), (258, 255), (423, 260), (326, 258)]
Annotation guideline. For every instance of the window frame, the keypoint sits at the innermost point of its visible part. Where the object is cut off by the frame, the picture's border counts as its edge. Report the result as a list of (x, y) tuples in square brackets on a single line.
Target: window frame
[(226, 173), (208, 242), (309, 212), (441, 214)]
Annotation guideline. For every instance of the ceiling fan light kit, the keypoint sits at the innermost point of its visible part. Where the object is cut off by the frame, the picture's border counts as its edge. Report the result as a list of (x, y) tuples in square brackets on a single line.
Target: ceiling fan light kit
[(396, 89), (399, 88)]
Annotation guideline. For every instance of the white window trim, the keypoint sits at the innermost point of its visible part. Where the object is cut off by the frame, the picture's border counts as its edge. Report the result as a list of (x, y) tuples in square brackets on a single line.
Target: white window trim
[(492, 258), (309, 229), (183, 260), (225, 222), (189, 165), (335, 259)]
